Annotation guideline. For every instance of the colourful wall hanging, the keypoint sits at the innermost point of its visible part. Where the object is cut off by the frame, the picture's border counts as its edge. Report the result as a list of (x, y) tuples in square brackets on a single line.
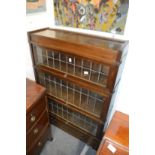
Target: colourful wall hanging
[(35, 6), (101, 15)]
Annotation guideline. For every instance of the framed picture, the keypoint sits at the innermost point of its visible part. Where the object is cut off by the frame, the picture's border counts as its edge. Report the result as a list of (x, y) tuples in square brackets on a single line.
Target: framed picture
[(100, 15), (35, 6)]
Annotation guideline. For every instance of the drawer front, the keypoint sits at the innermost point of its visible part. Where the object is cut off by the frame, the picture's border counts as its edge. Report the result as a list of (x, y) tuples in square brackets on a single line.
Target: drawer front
[(35, 132), (80, 67), (34, 114), (36, 149), (109, 148)]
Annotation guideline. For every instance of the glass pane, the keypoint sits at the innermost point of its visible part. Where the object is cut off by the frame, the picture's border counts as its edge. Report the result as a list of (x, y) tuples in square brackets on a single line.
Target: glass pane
[(60, 113), (77, 98), (53, 90), (63, 66), (44, 60), (70, 68), (91, 103), (56, 64), (65, 112), (94, 76), (95, 67), (56, 55), (83, 101), (78, 71), (78, 62), (62, 57), (64, 93), (86, 64), (98, 107), (50, 54), (105, 70), (50, 61), (54, 109), (70, 96)]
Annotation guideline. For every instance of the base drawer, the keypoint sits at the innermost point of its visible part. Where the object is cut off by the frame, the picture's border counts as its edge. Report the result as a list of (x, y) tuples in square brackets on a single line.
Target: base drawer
[(36, 149), (37, 130)]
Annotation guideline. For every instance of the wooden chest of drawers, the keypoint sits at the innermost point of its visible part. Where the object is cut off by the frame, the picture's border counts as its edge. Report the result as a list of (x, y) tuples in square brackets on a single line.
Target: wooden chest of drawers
[(37, 122), (81, 74)]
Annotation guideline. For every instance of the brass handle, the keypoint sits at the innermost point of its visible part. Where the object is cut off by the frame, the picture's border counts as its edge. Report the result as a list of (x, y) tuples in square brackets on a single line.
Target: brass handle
[(39, 143), (35, 131), (33, 118)]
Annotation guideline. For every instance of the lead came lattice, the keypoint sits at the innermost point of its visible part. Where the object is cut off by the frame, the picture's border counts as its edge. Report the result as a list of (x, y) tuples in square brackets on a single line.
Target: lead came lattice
[(73, 94), (86, 69), (74, 118)]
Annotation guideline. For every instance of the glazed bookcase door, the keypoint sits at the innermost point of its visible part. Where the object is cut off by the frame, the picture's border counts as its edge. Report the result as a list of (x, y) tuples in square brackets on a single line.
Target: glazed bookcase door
[(75, 118), (82, 68), (72, 94)]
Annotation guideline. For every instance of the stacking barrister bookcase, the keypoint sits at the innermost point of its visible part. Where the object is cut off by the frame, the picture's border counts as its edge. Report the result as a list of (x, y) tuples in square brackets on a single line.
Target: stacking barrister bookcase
[(81, 73)]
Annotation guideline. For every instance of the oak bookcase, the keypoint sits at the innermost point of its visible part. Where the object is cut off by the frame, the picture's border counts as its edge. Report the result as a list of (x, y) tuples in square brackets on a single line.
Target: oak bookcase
[(81, 73)]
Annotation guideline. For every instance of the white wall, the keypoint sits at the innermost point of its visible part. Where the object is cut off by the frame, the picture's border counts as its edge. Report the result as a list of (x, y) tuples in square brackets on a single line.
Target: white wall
[(46, 19), (36, 21)]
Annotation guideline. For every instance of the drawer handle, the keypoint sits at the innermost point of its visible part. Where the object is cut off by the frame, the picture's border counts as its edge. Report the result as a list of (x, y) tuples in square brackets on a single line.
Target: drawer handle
[(33, 118), (35, 131), (39, 143)]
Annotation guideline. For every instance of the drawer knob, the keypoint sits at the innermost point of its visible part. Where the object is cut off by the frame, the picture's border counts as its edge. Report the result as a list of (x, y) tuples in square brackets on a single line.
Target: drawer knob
[(35, 131), (33, 118), (39, 143)]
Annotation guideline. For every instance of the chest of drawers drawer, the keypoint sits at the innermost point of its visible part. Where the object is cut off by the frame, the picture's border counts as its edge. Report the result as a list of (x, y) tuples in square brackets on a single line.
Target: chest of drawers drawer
[(33, 116), (37, 129), (38, 145)]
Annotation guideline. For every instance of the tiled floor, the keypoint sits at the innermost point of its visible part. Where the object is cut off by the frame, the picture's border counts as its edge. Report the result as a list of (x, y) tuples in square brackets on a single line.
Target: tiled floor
[(64, 144)]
